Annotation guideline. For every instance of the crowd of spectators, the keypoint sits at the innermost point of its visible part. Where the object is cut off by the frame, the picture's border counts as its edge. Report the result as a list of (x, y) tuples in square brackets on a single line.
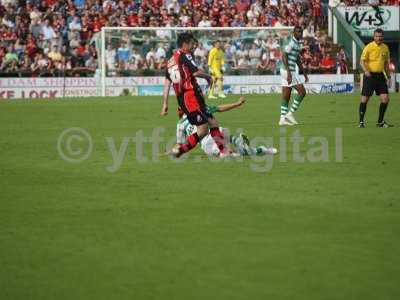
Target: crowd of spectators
[(261, 54), (49, 38)]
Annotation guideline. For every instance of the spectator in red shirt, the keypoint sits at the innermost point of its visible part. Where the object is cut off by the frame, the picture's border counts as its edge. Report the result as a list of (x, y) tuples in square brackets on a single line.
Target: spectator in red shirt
[(132, 19), (314, 65), (224, 20), (51, 3), (242, 5), (81, 50), (86, 30), (316, 11), (196, 3), (96, 25), (327, 64), (31, 47)]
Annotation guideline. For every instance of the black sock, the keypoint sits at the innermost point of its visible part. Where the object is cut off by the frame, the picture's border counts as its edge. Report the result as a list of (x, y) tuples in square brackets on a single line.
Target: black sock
[(382, 110), (362, 110)]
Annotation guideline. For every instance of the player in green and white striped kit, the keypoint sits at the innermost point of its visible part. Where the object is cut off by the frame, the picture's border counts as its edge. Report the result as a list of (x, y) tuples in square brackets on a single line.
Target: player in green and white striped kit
[(240, 143), (291, 79)]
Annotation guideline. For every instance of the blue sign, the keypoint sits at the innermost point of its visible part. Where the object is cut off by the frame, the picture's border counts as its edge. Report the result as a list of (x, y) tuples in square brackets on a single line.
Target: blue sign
[(150, 90), (228, 89), (337, 88)]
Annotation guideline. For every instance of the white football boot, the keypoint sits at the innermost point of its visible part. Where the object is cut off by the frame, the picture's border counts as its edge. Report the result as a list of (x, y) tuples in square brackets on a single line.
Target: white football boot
[(290, 117), (284, 122)]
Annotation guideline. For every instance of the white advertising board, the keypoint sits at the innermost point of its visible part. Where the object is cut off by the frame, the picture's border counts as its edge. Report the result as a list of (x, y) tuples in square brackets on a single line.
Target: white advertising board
[(28, 88)]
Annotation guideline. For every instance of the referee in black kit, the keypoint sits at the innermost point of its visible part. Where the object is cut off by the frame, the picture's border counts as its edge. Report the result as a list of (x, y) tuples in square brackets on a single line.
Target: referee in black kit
[(375, 63)]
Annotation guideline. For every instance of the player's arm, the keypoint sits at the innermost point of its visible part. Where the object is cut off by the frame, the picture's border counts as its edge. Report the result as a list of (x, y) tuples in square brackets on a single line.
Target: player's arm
[(189, 62), (204, 75), (363, 61), (301, 69), (167, 87), (387, 70), (226, 107), (364, 66)]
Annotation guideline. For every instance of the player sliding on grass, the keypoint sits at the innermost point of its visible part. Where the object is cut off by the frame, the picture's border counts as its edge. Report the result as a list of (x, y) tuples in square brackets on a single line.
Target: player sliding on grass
[(240, 143), (181, 73), (291, 79)]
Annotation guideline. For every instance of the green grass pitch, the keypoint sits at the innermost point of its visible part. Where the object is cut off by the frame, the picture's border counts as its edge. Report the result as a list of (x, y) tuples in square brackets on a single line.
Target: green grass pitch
[(198, 229)]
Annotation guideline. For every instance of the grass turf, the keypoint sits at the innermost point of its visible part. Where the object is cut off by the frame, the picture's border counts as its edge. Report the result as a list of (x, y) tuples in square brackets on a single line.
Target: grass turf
[(198, 229)]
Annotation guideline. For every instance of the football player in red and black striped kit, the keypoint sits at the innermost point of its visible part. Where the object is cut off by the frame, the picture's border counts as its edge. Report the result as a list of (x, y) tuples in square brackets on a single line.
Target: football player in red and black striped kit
[(181, 73)]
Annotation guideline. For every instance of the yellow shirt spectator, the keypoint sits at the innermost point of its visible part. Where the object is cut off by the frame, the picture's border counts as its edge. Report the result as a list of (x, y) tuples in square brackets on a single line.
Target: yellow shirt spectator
[(375, 56)]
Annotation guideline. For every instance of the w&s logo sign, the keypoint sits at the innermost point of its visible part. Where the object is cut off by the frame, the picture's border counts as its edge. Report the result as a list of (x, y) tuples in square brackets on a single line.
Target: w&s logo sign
[(364, 18)]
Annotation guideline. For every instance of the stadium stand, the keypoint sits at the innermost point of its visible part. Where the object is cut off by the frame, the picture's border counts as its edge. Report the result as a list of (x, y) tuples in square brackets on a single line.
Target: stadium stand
[(53, 38)]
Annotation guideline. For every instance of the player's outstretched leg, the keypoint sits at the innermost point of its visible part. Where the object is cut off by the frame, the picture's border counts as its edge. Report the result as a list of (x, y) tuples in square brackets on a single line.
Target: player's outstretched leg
[(241, 143), (179, 149), (191, 141), (261, 150)]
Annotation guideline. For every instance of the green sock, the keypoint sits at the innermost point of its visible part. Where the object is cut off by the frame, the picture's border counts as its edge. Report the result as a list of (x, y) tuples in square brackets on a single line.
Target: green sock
[(296, 103), (284, 107)]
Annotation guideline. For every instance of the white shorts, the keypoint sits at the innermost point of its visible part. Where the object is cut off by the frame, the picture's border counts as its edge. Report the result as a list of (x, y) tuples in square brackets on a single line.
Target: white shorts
[(296, 80), (208, 144)]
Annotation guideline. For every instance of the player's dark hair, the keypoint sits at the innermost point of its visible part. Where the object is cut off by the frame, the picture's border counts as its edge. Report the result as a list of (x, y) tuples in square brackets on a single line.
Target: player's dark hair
[(297, 27), (378, 30), (184, 37)]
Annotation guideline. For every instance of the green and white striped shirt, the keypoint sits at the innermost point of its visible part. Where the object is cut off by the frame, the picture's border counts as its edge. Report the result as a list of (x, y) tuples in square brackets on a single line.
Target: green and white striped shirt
[(292, 49)]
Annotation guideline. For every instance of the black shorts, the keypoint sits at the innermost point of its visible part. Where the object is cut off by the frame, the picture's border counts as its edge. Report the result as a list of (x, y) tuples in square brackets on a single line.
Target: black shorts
[(194, 107), (376, 82), (199, 117)]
